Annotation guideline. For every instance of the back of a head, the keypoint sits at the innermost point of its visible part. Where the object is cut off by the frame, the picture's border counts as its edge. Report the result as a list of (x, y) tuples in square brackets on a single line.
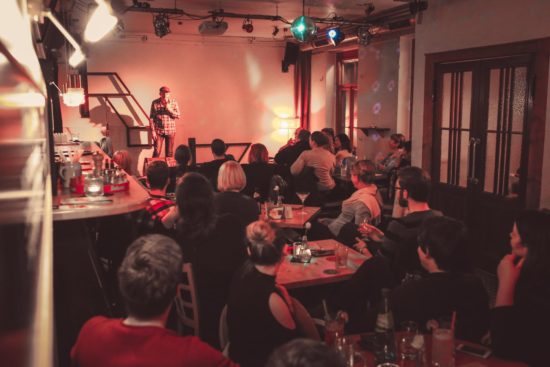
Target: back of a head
[(305, 353), (149, 274), (231, 177), (182, 155), (319, 138), (345, 142), (416, 181), (534, 231), (399, 139), (158, 174), (218, 147), (365, 171), (445, 240), (195, 201), (258, 153), (304, 135), (123, 160), (329, 131), (266, 247)]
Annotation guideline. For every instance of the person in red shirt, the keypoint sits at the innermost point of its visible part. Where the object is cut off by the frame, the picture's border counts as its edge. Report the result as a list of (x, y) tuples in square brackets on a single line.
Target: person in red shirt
[(148, 278)]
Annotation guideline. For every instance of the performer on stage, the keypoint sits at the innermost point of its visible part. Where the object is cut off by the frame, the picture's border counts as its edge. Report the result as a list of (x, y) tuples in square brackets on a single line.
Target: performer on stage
[(164, 112)]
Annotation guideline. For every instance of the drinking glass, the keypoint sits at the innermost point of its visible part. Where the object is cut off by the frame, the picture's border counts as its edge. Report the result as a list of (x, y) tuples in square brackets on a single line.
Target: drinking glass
[(303, 196), (341, 256), (443, 348), (346, 347), (334, 328), (408, 333)]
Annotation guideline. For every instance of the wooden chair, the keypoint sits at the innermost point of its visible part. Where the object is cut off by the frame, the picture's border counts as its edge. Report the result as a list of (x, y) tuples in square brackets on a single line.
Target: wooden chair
[(223, 332), (187, 302)]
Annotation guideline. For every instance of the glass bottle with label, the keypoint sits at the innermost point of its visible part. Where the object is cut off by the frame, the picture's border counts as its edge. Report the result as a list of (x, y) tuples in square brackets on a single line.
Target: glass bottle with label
[(386, 348)]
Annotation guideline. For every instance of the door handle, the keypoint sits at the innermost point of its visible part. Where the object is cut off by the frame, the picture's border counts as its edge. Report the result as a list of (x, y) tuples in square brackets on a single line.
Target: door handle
[(473, 143)]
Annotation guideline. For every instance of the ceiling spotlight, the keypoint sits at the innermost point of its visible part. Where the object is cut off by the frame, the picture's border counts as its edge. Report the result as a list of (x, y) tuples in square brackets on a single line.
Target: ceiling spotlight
[(335, 36), (303, 29), (247, 26), (364, 36), (275, 31), (161, 24)]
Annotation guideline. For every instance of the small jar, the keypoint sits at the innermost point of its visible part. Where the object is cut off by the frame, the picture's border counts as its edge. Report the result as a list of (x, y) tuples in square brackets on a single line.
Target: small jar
[(93, 186)]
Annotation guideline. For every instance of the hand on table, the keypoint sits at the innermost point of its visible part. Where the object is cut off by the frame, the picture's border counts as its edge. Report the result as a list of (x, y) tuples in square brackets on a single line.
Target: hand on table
[(362, 248)]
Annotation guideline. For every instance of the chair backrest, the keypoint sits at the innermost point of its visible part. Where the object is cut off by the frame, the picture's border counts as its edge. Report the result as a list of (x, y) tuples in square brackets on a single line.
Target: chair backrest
[(187, 302), (223, 332), (304, 322)]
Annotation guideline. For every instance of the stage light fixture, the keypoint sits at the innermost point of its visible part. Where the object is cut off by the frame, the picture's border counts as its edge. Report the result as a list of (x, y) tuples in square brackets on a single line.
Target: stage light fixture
[(335, 36), (101, 22), (247, 26), (161, 24), (303, 29), (364, 36)]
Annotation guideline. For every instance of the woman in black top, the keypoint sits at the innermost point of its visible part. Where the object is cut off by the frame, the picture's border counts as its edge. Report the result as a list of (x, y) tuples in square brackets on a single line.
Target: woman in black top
[(520, 320), (214, 244), (258, 173), (231, 180), (259, 312)]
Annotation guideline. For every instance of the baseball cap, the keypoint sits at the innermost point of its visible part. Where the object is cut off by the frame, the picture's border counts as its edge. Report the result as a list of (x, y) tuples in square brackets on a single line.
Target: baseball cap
[(164, 89)]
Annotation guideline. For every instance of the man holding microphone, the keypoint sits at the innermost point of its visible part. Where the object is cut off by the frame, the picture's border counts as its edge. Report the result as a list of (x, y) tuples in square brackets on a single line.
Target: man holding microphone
[(164, 112)]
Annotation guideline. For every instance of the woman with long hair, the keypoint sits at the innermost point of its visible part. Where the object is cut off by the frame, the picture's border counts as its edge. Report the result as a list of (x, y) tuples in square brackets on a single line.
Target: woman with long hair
[(259, 312), (258, 173), (342, 144), (213, 244), (520, 317)]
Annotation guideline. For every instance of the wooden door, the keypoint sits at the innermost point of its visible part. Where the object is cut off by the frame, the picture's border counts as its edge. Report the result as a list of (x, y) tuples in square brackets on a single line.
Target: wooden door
[(480, 146)]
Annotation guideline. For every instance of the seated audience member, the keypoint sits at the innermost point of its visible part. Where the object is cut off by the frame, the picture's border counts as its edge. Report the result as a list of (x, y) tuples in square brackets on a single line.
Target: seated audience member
[(399, 243), (343, 148), (363, 205), (319, 159), (258, 172), (213, 244), (259, 314), (147, 278), (393, 158), (210, 169), (229, 200), (106, 143), (329, 132), (123, 160), (288, 153), (305, 353), (182, 156), (520, 320), (158, 205)]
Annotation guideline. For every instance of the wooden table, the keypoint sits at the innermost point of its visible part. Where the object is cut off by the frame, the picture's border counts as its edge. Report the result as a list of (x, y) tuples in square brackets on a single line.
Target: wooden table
[(461, 359), (298, 219), (296, 275)]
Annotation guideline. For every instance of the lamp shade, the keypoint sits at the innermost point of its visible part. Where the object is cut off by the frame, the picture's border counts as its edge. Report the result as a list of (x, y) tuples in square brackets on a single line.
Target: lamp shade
[(303, 29)]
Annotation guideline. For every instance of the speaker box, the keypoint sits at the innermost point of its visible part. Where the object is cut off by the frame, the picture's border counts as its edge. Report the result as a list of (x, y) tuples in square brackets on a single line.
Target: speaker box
[(291, 53)]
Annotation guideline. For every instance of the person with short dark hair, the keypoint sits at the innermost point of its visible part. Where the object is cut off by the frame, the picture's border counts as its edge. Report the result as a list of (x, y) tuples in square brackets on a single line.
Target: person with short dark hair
[(259, 312), (520, 318), (182, 155), (288, 153), (158, 205), (305, 353), (148, 278), (319, 159), (213, 243), (164, 113), (399, 242), (211, 169)]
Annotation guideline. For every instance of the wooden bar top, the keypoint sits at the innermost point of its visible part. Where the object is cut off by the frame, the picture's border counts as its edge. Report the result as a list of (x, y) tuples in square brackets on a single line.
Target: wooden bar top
[(114, 204), (298, 219), (296, 275)]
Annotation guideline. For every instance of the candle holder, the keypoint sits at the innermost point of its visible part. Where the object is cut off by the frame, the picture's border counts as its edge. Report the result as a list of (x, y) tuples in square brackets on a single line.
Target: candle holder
[(93, 186)]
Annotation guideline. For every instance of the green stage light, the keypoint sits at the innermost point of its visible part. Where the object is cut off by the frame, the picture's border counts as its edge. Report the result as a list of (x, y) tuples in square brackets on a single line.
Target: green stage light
[(303, 29)]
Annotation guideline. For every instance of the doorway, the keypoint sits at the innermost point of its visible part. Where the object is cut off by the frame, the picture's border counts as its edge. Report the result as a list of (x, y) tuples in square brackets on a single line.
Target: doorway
[(482, 134)]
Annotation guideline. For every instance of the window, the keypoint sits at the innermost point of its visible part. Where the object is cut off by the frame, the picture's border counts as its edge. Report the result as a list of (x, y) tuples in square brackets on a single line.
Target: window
[(346, 108)]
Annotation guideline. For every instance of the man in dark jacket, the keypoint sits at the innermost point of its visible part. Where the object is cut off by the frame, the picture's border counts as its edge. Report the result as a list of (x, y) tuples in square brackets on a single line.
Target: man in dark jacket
[(288, 154)]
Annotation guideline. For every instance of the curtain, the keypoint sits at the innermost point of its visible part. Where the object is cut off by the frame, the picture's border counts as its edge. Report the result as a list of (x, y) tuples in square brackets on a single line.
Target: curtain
[(302, 88)]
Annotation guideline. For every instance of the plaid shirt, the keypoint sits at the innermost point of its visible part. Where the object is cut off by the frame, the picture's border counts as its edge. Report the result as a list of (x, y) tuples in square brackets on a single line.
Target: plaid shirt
[(159, 206), (164, 118)]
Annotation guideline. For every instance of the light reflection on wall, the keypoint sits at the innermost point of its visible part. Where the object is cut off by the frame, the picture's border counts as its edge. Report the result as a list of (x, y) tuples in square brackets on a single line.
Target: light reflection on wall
[(254, 71)]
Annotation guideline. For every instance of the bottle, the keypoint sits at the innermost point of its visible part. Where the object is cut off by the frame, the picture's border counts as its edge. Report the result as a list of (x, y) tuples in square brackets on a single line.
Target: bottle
[(386, 349), (305, 251)]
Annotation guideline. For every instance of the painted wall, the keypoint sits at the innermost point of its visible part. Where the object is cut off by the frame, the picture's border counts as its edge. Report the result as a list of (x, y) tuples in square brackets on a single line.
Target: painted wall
[(454, 25), (232, 89), (323, 90)]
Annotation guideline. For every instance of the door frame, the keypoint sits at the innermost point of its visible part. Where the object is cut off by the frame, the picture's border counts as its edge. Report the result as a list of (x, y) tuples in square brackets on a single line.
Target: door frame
[(539, 49)]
